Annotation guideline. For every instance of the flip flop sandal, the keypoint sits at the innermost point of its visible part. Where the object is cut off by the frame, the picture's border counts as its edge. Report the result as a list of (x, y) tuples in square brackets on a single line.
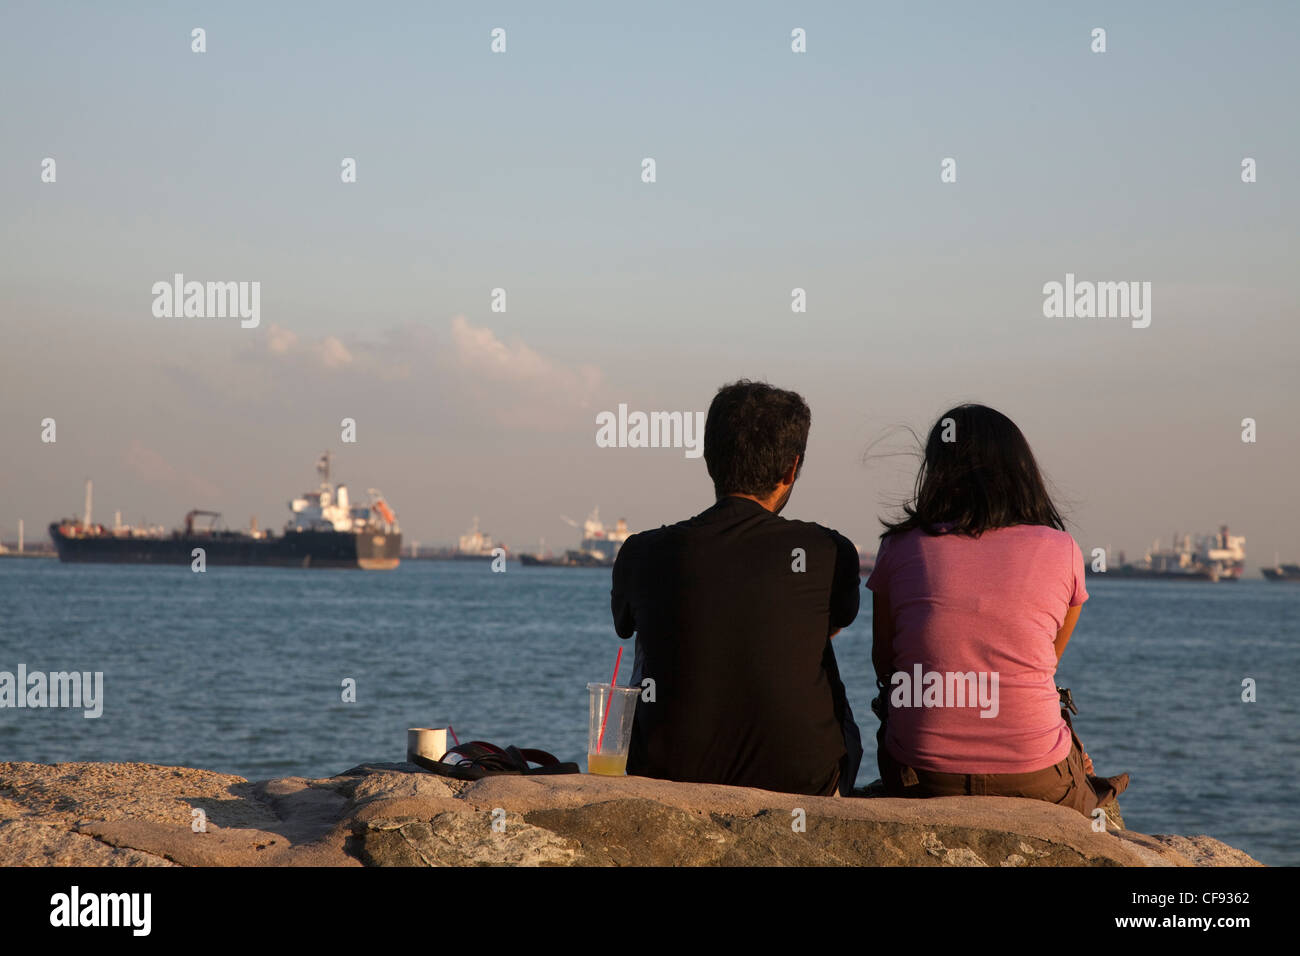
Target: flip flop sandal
[(482, 759)]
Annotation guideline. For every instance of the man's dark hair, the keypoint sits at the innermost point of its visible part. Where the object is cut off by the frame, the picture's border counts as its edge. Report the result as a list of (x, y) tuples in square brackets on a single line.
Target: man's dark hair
[(752, 435)]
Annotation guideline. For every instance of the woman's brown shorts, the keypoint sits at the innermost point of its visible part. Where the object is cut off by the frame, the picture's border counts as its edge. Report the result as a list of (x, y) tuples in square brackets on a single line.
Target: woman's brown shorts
[(1066, 784)]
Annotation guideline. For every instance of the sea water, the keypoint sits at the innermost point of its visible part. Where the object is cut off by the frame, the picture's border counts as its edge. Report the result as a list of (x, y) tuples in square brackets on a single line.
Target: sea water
[(269, 673)]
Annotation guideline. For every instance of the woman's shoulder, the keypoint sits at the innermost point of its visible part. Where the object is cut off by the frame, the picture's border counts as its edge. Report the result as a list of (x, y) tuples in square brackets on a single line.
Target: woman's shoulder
[(899, 539), (911, 538), (1041, 531), (1058, 542)]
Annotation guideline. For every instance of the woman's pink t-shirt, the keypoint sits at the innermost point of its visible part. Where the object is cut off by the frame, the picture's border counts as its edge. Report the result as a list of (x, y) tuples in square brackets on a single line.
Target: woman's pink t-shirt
[(981, 614)]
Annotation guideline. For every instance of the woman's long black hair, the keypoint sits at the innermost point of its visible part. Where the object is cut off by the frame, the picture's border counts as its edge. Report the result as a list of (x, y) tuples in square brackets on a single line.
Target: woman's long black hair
[(978, 474)]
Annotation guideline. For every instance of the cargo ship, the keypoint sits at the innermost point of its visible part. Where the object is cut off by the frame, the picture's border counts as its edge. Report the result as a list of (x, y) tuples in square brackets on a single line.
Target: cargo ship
[(598, 548), (1213, 557), (475, 545), (1282, 572), (325, 530)]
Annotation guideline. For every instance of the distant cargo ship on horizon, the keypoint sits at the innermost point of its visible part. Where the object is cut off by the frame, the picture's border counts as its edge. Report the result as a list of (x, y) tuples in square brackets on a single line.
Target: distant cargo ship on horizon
[(325, 530), (1213, 557), (597, 549), (1281, 572), (473, 545)]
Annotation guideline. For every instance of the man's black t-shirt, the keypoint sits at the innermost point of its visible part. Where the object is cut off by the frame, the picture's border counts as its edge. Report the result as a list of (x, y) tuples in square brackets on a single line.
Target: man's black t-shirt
[(732, 610)]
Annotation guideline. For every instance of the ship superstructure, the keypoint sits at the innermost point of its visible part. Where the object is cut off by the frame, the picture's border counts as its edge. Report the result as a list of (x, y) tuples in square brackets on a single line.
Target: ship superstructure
[(475, 543), (599, 542), (328, 508)]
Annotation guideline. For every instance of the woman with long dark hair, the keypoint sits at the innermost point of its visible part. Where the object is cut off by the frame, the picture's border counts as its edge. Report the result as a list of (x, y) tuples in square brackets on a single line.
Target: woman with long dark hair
[(976, 590)]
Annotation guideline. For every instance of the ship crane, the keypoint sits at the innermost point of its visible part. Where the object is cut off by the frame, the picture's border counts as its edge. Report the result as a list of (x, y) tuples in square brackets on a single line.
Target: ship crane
[(191, 515), (592, 527)]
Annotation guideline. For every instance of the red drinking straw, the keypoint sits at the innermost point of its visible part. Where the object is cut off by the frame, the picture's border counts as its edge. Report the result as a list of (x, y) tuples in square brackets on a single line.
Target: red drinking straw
[(453, 734), (613, 682)]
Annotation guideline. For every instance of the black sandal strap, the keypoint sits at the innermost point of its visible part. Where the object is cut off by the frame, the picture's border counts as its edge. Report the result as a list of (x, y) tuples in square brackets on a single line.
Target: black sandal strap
[(483, 759)]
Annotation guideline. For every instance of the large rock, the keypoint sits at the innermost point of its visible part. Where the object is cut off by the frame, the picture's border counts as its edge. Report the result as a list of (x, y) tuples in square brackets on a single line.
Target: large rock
[(397, 815)]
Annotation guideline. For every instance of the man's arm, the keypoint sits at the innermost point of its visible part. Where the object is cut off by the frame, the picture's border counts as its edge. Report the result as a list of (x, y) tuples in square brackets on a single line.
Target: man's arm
[(844, 585), (620, 603)]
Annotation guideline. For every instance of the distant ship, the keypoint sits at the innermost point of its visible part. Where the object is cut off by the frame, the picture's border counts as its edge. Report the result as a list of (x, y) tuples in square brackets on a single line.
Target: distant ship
[(1282, 572), (1213, 557), (324, 531), (475, 545), (598, 548)]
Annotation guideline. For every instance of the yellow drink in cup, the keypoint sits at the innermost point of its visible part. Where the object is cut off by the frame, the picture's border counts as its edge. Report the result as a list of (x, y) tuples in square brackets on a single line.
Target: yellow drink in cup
[(609, 728), (614, 765)]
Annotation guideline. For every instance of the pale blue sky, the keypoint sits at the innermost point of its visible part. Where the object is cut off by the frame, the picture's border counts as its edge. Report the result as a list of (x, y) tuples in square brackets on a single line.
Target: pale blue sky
[(521, 170)]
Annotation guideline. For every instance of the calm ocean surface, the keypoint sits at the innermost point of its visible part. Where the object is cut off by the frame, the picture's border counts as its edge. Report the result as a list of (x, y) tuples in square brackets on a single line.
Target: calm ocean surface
[(239, 670)]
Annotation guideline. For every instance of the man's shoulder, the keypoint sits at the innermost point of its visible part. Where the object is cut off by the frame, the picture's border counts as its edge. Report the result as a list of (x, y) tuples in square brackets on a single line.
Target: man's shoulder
[(812, 529), (696, 524), (643, 540), (682, 533)]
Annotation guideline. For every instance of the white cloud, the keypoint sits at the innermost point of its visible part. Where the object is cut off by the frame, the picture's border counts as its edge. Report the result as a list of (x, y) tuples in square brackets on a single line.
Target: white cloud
[(505, 383), (332, 353), (280, 340), (153, 468), (328, 352), (524, 386)]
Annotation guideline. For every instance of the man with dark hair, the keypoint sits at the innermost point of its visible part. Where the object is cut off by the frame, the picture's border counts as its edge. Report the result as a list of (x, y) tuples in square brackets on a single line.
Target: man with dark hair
[(733, 612)]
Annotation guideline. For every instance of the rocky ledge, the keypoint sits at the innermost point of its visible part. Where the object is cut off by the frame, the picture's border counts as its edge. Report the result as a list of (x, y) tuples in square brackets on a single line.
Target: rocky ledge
[(394, 814)]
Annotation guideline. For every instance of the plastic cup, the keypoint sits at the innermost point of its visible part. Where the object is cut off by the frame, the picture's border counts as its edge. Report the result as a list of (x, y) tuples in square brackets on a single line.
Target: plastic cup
[(609, 756), (428, 742)]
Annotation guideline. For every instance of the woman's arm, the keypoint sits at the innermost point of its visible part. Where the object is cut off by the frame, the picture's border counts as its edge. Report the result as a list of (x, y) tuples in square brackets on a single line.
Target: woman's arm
[(882, 637), (1063, 635)]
